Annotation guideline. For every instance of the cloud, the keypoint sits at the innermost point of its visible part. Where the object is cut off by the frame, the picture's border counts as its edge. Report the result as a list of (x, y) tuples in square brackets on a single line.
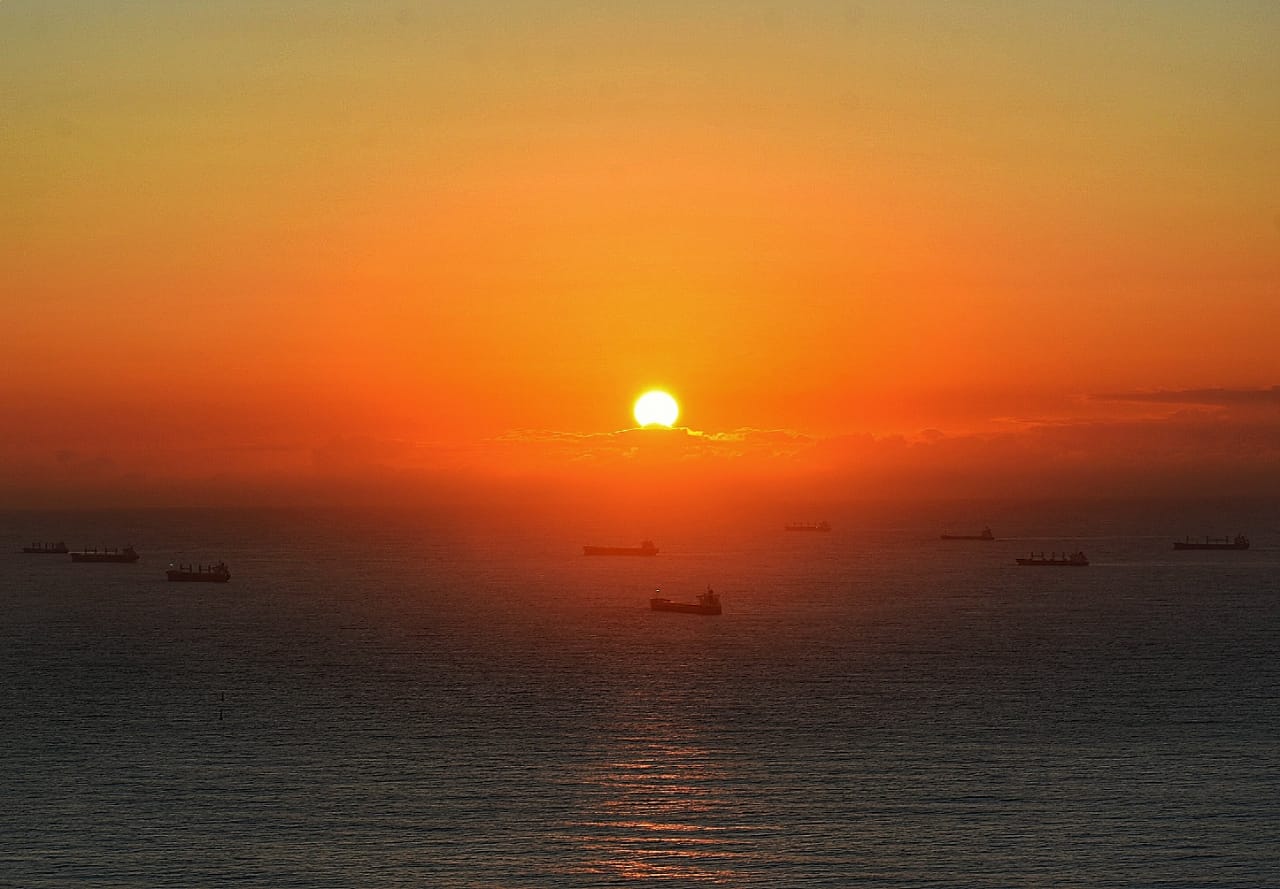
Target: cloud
[(1185, 452), (677, 446), (1207, 397), (1200, 442)]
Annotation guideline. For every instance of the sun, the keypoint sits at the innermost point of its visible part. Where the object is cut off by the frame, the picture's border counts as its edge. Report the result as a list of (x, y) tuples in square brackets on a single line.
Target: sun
[(656, 408)]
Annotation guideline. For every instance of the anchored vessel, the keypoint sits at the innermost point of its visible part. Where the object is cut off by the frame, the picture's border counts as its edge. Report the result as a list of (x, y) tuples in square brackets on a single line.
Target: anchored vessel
[(1075, 558), (708, 603), (808, 526), (58, 547), (985, 535), (218, 573), (1239, 542), (646, 548), (128, 554)]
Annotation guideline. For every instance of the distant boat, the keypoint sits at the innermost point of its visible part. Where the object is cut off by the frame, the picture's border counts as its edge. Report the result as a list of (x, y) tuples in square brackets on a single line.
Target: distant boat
[(1076, 558), (808, 526), (1239, 542), (218, 573), (128, 554), (985, 535), (646, 548), (58, 547), (708, 603)]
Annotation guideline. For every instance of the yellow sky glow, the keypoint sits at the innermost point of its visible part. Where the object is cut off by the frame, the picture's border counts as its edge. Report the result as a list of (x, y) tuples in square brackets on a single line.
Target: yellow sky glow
[(444, 224)]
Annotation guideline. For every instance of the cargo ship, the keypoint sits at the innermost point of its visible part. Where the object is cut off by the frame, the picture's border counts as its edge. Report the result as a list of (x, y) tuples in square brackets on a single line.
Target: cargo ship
[(985, 535), (646, 548), (128, 554), (1076, 558), (59, 547), (218, 573), (808, 526), (708, 603), (1239, 542)]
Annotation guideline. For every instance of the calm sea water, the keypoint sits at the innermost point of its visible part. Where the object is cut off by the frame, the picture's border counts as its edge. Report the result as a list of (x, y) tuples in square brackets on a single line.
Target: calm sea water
[(406, 700)]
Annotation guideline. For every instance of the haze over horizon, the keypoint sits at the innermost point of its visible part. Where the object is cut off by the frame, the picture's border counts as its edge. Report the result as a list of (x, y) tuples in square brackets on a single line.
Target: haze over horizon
[(259, 254)]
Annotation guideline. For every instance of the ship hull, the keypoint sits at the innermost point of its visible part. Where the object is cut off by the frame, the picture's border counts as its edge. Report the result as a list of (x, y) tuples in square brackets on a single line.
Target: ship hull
[(197, 576), (1052, 563), (104, 557), (965, 537), (1178, 544), (683, 607), (618, 551)]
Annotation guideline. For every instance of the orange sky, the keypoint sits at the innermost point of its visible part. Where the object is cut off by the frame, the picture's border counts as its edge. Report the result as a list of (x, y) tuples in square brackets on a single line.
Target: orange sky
[(893, 244)]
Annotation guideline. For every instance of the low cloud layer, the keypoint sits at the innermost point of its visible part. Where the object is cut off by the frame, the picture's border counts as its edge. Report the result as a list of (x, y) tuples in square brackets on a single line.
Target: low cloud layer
[(646, 446), (1201, 442), (1221, 397)]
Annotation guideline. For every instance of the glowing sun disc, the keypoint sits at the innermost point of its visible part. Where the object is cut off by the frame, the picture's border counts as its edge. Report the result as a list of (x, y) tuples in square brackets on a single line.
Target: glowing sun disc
[(656, 408)]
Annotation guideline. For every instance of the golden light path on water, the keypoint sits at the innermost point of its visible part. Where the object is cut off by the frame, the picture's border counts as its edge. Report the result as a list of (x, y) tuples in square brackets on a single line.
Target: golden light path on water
[(655, 811)]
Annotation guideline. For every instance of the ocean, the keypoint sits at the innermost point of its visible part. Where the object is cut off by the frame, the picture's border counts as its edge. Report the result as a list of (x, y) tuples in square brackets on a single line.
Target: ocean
[(421, 699)]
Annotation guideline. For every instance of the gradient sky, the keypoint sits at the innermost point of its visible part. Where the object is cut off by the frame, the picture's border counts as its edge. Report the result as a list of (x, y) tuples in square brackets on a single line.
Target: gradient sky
[(898, 244)]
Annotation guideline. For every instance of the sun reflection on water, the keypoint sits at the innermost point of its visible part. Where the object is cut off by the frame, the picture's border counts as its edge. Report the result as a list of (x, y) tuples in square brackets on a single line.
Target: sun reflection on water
[(659, 811)]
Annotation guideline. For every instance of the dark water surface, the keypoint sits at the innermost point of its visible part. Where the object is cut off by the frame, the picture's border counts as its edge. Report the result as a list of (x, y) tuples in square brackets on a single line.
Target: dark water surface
[(396, 701)]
